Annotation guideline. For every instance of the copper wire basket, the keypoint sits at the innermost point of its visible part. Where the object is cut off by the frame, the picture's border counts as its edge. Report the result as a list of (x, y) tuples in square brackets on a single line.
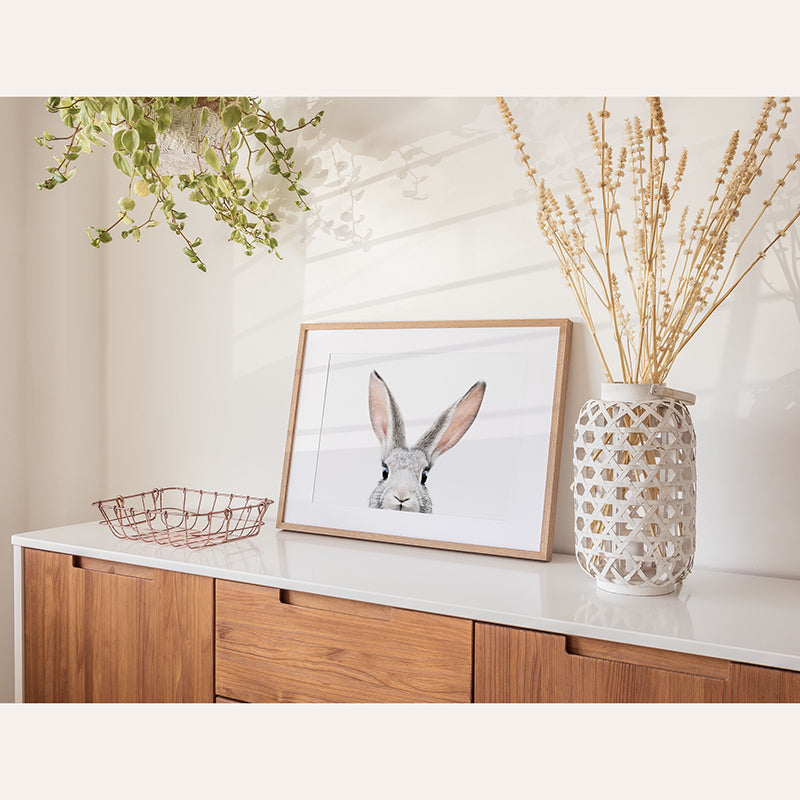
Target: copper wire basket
[(184, 517)]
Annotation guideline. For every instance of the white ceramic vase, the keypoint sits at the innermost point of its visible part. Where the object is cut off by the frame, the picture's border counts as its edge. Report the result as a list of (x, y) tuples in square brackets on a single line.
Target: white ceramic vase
[(635, 488)]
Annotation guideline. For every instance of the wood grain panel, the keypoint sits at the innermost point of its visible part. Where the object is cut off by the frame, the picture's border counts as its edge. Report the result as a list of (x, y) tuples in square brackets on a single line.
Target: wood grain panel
[(752, 684), (702, 666), (519, 666), (99, 632), (55, 666), (273, 651)]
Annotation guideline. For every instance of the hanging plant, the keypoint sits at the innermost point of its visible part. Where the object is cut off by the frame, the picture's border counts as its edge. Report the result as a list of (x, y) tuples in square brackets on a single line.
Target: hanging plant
[(212, 148)]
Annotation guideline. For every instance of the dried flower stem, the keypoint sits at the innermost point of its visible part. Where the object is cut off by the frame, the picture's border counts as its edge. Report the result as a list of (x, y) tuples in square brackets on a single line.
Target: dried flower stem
[(669, 304)]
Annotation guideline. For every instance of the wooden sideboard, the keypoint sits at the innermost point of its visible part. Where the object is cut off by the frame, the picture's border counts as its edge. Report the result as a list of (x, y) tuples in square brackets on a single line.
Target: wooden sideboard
[(98, 630)]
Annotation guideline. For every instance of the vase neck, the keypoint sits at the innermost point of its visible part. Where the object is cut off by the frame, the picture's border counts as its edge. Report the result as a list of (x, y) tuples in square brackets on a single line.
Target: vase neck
[(641, 393)]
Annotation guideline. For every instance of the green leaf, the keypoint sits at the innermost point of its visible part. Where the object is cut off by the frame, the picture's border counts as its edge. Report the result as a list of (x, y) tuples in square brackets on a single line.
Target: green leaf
[(250, 122), (164, 116), (117, 140), (104, 236), (231, 116), (130, 140), (146, 130), (141, 158), (126, 107), (126, 203), (211, 158), (121, 163)]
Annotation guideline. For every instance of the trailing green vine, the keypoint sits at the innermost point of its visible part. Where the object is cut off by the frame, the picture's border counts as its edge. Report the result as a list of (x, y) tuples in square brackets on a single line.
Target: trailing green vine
[(224, 177)]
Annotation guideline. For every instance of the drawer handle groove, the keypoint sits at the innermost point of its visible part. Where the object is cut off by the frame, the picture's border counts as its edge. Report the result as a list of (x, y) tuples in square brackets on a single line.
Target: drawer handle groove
[(688, 663), (113, 568), (334, 605)]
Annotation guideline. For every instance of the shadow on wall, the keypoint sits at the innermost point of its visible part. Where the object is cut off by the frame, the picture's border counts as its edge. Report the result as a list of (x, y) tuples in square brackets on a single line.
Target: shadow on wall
[(365, 166), (389, 141), (788, 257)]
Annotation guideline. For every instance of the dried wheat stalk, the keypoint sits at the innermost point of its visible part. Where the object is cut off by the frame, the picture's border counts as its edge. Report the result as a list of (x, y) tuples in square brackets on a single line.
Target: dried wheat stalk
[(667, 298)]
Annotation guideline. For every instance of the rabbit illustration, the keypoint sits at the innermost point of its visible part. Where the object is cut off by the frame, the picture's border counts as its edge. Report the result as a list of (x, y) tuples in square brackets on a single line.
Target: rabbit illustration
[(405, 469)]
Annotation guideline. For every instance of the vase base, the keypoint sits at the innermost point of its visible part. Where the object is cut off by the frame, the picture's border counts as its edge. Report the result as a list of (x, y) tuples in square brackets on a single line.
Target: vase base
[(644, 590)]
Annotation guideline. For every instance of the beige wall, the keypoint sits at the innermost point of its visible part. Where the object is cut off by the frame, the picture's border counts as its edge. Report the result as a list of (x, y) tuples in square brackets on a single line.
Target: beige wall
[(12, 396), (126, 368), (52, 419)]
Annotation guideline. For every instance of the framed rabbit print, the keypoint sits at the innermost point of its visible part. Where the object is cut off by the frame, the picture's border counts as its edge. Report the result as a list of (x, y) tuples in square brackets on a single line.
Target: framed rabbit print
[(437, 434)]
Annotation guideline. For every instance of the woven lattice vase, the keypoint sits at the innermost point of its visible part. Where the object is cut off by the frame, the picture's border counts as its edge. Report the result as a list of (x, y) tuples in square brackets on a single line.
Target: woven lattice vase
[(180, 142), (635, 488)]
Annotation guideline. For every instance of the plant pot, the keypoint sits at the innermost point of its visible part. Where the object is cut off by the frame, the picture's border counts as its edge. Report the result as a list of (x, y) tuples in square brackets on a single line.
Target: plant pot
[(180, 142), (635, 488)]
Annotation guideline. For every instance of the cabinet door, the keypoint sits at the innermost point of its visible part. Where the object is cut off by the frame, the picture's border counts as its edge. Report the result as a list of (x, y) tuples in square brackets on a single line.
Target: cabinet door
[(752, 684), (520, 666), (285, 646), (99, 631)]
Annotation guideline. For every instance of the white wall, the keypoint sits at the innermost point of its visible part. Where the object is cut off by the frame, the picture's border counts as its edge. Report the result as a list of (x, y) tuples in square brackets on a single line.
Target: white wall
[(141, 371)]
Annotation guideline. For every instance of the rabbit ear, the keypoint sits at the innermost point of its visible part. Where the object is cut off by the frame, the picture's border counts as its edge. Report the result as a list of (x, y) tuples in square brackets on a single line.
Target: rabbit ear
[(387, 421), (452, 424)]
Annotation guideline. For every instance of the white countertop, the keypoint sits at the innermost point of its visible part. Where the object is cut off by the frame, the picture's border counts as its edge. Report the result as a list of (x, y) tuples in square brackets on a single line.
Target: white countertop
[(725, 615)]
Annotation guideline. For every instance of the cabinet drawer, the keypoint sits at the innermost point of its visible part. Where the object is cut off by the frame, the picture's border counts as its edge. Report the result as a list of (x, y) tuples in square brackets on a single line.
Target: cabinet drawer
[(521, 666), (279, 646)]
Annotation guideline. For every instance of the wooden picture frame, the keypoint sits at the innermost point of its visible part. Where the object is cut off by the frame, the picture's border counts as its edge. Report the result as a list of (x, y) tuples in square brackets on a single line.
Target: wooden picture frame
[(499, 385)]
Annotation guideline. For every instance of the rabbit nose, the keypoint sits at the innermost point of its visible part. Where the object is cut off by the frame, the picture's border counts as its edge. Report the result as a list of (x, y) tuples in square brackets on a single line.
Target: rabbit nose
[(402, 496)]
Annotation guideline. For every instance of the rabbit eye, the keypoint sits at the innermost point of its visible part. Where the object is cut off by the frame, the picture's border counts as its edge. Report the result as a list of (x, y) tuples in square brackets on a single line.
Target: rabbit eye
[(424, 476), (385, 473)]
